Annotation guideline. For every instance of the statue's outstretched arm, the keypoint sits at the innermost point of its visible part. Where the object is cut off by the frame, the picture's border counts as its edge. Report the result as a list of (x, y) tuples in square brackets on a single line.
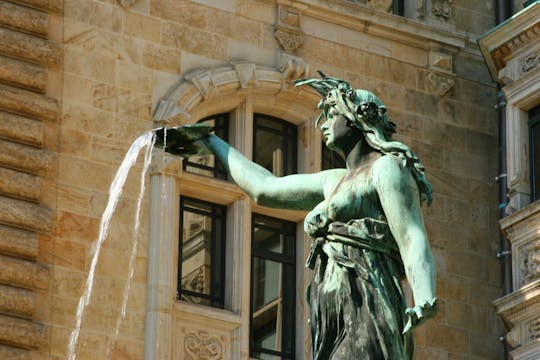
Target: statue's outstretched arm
[(399, 198), (300, 191)]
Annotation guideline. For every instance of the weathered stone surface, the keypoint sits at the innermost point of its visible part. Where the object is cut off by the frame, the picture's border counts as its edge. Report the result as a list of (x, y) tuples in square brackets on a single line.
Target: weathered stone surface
[(24, 157), (22, 333), (23, 18), (25, 214), (194, 40), (11, 353), (18, 242), (23, 273), (17, 301), (21, 129), (19, 184), (27, 103), (23, 74), (29, 48)]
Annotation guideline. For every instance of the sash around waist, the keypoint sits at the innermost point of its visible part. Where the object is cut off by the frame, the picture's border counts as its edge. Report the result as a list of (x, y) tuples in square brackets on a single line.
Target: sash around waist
[(366, 233)]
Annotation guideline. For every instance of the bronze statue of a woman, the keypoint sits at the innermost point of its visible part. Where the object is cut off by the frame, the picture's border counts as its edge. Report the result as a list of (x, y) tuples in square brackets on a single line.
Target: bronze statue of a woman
[(365, 222)]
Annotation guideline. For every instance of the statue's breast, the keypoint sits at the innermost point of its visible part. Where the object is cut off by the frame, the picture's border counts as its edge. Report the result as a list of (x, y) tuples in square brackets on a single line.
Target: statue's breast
[(354, 198)]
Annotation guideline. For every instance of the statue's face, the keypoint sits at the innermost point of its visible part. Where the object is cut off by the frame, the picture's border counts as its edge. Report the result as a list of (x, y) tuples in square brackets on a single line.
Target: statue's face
[(337, 133)]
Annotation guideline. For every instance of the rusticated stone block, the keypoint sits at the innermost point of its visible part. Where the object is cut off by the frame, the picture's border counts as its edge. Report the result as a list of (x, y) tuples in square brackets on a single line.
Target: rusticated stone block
[(18, 242), (27, 103), (22, 333), (23, 74), (8, 352), (17, 301), (25, 214), (194, 40), (29, 48), (23, 18), (19, 184), (23, 273), (24, 157), (21, 129)]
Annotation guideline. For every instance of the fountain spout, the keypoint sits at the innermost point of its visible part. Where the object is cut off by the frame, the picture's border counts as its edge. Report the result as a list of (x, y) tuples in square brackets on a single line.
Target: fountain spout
[(185, 140)]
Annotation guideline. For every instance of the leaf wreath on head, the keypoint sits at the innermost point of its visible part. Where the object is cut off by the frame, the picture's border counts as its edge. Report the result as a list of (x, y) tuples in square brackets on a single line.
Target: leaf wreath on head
[(367, 112)]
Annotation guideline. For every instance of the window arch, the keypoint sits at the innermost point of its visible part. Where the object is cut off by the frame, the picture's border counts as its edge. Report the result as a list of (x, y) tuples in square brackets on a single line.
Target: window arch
[(241, 92)]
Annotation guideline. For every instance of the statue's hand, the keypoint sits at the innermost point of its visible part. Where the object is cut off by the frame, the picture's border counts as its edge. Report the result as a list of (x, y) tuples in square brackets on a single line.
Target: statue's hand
[(419, 314), (185, 140)]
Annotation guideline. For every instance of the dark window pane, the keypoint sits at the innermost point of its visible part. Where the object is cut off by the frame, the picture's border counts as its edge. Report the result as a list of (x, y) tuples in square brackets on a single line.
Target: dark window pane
[(534, 129), (274, 144), (331, 159), (273, 282), (201, 270), (207, 165)]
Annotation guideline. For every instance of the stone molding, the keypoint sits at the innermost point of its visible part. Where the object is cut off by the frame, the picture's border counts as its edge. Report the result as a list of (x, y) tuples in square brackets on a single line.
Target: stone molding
[(204, 85), (519, 311), (364, 19), (500, 45), (522, 230)]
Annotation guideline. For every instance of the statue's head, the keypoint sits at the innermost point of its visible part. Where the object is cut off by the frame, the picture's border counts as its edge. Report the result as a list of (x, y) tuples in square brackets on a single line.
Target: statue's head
[(361, 107), (366, 112)]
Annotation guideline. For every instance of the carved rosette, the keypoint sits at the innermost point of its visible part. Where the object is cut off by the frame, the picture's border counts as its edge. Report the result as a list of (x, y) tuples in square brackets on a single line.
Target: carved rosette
[(287, 31), (201, 345)]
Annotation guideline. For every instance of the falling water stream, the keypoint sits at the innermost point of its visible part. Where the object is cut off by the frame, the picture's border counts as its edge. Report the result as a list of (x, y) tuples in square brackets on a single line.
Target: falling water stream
[(146, 140)]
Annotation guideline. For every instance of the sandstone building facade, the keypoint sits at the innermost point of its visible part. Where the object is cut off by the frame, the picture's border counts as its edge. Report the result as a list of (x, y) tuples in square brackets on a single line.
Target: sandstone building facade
[(81, 79)]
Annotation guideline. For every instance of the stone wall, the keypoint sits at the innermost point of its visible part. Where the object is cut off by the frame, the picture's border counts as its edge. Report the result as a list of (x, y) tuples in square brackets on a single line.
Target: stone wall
[(30, 62), (120, 58)]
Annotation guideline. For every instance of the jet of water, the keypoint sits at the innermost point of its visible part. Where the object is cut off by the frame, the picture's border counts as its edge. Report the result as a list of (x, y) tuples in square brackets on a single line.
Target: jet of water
[(115, 191)]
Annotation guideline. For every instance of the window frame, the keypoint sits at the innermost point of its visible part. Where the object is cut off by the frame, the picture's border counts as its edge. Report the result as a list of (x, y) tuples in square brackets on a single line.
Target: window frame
[(287, 259), (533, 122), (216, 301), (218, 171), (293, 137)]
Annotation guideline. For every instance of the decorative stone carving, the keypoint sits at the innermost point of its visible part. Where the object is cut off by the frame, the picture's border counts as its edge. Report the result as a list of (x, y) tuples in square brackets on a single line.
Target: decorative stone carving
[(440, 73), (204, 82), (421, 8), (201, 345), (126, 3), (533, 329), (439, 84), (442, 8), (247, 74), (292, 68), (529, 62), (529, 264), (287, 31)]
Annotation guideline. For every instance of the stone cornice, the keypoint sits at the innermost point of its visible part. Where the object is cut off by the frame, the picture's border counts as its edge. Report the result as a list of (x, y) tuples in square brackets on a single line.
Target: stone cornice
[(388, 26), (499, 44), (513, 305), (520, 215)]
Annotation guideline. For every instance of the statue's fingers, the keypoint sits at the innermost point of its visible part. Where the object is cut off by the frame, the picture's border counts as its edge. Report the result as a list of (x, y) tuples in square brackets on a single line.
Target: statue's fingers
[(408, 326)]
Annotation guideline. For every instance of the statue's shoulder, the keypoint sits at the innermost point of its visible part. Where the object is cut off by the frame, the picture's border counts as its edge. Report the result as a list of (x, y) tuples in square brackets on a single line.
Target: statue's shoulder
[(388, 169)]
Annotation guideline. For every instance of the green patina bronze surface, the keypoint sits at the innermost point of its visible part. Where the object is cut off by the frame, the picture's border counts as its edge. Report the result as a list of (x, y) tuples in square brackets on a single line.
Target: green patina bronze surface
[(365, 222)]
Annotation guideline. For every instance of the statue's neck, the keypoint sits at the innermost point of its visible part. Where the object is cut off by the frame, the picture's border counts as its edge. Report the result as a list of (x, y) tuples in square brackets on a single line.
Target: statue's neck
[(358, 154)]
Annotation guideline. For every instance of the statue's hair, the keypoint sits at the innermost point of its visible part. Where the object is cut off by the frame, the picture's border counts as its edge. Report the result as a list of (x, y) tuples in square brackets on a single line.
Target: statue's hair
[(367, 112)]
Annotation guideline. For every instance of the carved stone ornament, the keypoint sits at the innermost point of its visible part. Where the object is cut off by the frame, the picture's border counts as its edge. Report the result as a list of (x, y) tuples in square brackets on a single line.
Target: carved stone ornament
[(292, 68), (421, 7), (533, 329), (126, 3), (439, 83), (529, 62), (287, 31), (442, 8), (200, 345), (529, 263)]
